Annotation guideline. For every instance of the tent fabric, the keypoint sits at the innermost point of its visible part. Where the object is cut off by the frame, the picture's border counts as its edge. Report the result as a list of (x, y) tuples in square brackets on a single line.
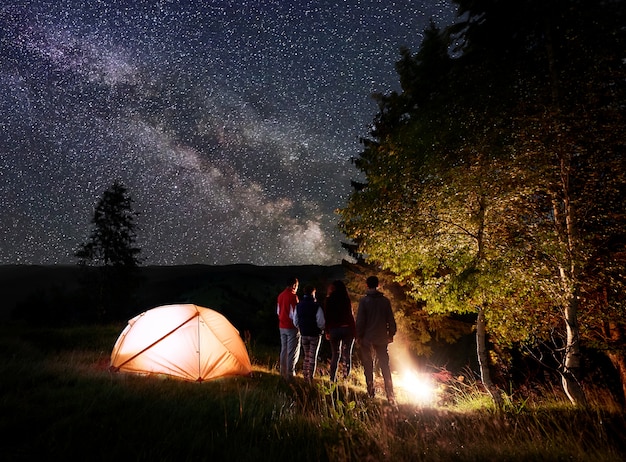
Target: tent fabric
[(186, 341)]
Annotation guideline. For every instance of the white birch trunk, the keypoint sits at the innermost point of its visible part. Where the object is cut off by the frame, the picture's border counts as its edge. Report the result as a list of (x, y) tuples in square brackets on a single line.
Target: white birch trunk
[(571, 363), (569, 285), (483, 359)]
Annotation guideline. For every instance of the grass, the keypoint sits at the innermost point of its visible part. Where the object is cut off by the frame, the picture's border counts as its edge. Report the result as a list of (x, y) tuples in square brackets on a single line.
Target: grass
[(59, 400)]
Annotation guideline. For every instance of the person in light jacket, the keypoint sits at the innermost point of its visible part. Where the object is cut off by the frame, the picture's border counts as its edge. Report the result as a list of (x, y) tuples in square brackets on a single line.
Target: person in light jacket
[(309, 320), (375, 329)]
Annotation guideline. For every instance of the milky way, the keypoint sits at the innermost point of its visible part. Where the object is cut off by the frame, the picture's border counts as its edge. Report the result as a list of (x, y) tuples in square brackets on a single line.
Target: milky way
[(231, 123)]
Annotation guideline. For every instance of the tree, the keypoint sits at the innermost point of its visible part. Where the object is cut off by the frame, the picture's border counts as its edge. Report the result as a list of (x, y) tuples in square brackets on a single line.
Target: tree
[(111, 249), (492, 180), (112, 239), (570, 127), (425, 213)]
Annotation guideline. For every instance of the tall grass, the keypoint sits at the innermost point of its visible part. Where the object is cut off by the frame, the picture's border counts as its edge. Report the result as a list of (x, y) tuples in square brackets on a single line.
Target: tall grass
[(59, 400)]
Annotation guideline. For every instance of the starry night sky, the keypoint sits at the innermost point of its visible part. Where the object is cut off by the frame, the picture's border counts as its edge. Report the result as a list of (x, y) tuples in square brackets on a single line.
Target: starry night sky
[(231, 123)]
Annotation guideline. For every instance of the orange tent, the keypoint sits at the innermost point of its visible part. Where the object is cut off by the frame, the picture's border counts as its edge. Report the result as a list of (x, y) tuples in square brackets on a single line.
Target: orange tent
[(185, 341)]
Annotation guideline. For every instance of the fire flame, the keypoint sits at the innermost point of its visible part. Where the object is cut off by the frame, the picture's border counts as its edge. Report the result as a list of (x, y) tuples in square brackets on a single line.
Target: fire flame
[(415, 387)]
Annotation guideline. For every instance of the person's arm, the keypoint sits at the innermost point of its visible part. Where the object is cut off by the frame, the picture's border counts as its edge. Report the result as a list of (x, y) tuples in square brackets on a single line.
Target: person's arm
[(319, 318), (293, 307), (294, 316)]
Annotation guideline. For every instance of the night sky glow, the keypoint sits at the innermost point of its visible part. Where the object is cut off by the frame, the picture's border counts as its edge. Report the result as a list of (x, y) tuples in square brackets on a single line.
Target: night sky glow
[(231, 123)]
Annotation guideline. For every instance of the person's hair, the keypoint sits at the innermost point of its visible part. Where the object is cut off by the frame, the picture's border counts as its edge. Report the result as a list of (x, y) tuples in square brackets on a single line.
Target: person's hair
[(340, 292), (309, 289), (372, 282), (340, 288), (291, 281)]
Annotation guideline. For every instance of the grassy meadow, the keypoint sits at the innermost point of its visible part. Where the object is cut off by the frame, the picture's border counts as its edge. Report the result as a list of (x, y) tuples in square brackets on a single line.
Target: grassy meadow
[(58, 400)]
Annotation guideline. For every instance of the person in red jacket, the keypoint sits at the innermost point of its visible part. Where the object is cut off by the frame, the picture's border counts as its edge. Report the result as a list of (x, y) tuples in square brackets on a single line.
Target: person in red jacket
[(375, 328), (289, 334)]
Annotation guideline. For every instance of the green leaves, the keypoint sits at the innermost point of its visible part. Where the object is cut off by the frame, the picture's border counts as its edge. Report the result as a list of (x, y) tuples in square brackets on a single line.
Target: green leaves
[(496, 178)]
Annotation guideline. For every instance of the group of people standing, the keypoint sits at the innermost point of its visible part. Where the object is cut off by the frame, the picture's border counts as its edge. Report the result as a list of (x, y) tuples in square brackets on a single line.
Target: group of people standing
[(302, 322)]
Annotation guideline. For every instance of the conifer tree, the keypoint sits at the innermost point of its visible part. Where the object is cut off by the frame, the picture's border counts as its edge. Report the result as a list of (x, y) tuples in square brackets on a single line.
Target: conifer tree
[(112, 239), (110, 255)]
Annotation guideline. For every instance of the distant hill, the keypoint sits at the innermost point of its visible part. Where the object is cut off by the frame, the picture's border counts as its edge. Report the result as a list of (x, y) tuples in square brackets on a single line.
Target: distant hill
[(245, 293)]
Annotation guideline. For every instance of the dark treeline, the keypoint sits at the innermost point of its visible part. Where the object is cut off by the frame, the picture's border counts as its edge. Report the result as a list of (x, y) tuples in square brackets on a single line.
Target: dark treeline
[(57, 296)]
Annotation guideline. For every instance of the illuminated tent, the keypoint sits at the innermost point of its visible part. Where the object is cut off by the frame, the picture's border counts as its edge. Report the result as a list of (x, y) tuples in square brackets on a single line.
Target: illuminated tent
[(185, 341)]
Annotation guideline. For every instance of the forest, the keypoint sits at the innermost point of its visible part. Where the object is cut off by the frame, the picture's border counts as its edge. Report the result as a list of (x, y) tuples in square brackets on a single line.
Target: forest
[(492, 185)]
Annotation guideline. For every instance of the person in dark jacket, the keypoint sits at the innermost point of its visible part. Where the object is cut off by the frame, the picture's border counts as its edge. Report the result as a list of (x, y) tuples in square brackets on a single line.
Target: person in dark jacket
[(340, 328), (309, 319), (375, 329)]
